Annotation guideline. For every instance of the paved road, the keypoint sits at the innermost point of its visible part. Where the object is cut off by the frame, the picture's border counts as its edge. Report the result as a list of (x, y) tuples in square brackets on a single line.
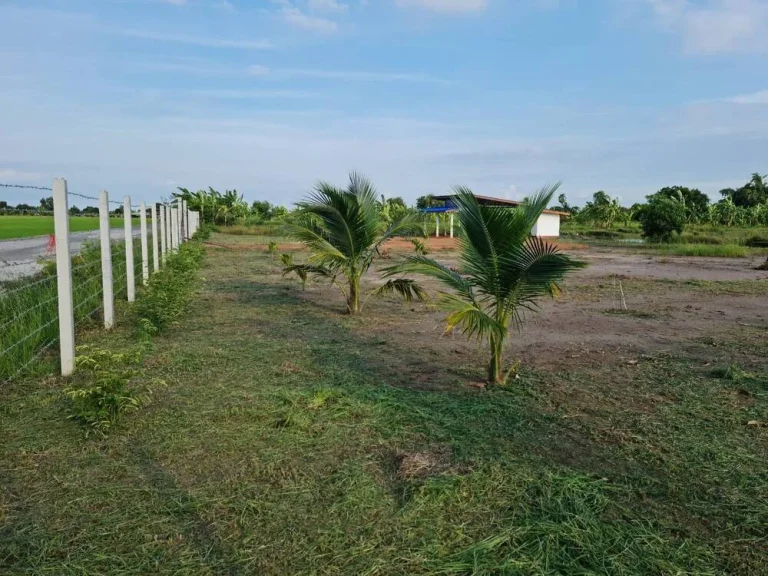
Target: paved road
[(20, 257)]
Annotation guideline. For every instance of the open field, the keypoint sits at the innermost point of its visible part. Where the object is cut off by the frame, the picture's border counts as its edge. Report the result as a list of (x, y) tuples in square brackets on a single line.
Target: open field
[(24, 226), (290, 438)]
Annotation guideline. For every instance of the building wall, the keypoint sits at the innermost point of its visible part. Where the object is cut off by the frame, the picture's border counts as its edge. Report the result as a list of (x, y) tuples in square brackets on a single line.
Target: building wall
[(548, 226)]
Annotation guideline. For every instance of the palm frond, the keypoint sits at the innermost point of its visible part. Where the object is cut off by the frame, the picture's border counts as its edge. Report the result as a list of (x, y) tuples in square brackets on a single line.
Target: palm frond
[(471, 318), (534, 269), (411, 223), (408, 289), (428, 267), (303, 271)]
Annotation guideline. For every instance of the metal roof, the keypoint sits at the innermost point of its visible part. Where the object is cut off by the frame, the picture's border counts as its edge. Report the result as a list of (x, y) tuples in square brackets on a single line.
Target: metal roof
[(485, 200)]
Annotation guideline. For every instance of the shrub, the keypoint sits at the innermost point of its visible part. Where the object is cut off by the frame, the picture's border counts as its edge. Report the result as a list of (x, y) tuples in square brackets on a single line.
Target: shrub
[(661, 218), (168, 292), (114, 387)]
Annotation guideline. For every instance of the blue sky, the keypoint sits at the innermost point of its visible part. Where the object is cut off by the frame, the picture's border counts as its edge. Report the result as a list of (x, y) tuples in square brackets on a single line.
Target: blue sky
[(140, 96)]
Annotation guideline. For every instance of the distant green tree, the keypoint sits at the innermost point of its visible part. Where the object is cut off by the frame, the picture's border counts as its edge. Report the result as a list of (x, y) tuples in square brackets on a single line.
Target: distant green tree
[(428, 201), (563, 205), (662, 217), (90, 211), (753, 192), (46, 204), (3, 204), (696, 203), (74, 211), (603, 210)]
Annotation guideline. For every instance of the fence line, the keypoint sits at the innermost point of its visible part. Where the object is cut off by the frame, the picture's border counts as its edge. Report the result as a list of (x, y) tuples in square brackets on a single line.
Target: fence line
[(37, 313)]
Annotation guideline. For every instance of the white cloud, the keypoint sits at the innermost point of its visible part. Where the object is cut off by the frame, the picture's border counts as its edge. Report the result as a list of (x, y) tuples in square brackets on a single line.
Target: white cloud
[(253, 94), (257, 70), (197, 40), (446, 6), (297, 18), (332, 6), (760, 98), (357, 75), (715, 26)]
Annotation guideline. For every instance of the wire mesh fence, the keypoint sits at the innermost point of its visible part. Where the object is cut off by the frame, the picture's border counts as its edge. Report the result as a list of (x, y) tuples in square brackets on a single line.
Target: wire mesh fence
[(30, 306)]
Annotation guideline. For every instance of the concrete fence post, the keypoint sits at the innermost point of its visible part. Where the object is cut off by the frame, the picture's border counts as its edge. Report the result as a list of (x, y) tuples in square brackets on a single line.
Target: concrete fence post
[(437, 225), (166, 226), (155, 242), (130, 277), (144, 243), (64, 277), (107, 287), (174, 229), (179, 223), (451, 225), (163, 233), (184, 221)]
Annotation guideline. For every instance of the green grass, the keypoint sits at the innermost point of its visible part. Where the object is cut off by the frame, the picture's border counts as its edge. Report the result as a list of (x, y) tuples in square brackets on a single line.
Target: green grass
[(708, 250), (288, 437), (24, 226), (29, 306)]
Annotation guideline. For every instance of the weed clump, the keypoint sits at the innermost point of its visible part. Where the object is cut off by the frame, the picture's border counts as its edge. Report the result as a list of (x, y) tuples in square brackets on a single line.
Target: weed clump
[(166, 296), (112, 387)]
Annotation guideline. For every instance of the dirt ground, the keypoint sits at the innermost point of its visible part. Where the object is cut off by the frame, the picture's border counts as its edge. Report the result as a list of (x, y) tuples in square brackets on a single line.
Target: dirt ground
[(673, 306), (670, 305)]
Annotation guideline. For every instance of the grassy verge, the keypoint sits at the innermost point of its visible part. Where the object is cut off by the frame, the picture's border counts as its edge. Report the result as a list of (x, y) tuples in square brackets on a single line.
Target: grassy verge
[(287, 442), (29, 306), (710, 250), (25, 226)]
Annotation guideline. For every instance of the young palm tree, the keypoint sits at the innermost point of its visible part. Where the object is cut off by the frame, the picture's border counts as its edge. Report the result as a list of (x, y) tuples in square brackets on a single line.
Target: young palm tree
[(344, 230), (503, 271)]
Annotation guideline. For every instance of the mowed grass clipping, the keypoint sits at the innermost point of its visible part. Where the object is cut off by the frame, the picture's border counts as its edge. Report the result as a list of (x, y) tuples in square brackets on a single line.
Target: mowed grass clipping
[(286, 442), (25, 226)]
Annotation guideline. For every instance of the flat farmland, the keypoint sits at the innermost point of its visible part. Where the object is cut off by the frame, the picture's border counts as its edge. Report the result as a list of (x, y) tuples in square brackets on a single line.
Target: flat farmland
[(26, 226), (291, 438)]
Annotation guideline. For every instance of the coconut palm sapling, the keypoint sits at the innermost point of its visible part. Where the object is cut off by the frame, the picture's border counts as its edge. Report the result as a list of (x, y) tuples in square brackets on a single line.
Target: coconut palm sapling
[(344, 231), (503, 271)]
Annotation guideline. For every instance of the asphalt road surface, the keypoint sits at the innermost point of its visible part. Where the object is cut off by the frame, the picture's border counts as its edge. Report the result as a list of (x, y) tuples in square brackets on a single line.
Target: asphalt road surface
[(20, 257)]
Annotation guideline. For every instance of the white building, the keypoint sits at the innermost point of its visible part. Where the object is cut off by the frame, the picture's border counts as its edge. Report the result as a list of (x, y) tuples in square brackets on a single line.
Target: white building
[(547, 226)]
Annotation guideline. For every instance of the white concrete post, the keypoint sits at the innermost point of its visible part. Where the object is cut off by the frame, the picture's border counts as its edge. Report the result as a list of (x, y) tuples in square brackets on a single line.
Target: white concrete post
[(144, 244), (155, 241), (64, 277), (174, 229), (451, 224), (184, 221), (129, 270), (107, 287), (179, 222), (437, 225), (164, 232)]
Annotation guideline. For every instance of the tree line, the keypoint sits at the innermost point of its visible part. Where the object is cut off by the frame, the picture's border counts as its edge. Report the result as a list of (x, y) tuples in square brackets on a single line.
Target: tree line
[(667, 211)]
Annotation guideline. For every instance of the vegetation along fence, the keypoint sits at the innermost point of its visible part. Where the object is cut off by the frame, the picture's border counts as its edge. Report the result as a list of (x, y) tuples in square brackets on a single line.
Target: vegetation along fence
[(44, 309)]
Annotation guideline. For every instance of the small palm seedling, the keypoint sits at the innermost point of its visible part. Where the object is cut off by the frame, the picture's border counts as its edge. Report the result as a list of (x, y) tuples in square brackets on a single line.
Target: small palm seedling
[(272, 247), (503, 271), (344, 231), (288, 267), (419, 247)]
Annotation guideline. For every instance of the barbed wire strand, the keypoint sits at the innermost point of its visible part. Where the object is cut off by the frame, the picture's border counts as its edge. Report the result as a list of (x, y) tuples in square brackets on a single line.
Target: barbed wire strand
[(26, 187), (32, 360), (7, 293), (30, 335), (27, 311)]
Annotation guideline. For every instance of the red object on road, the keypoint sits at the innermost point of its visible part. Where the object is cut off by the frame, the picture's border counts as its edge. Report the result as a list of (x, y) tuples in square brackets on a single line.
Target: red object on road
[(51, 248)]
